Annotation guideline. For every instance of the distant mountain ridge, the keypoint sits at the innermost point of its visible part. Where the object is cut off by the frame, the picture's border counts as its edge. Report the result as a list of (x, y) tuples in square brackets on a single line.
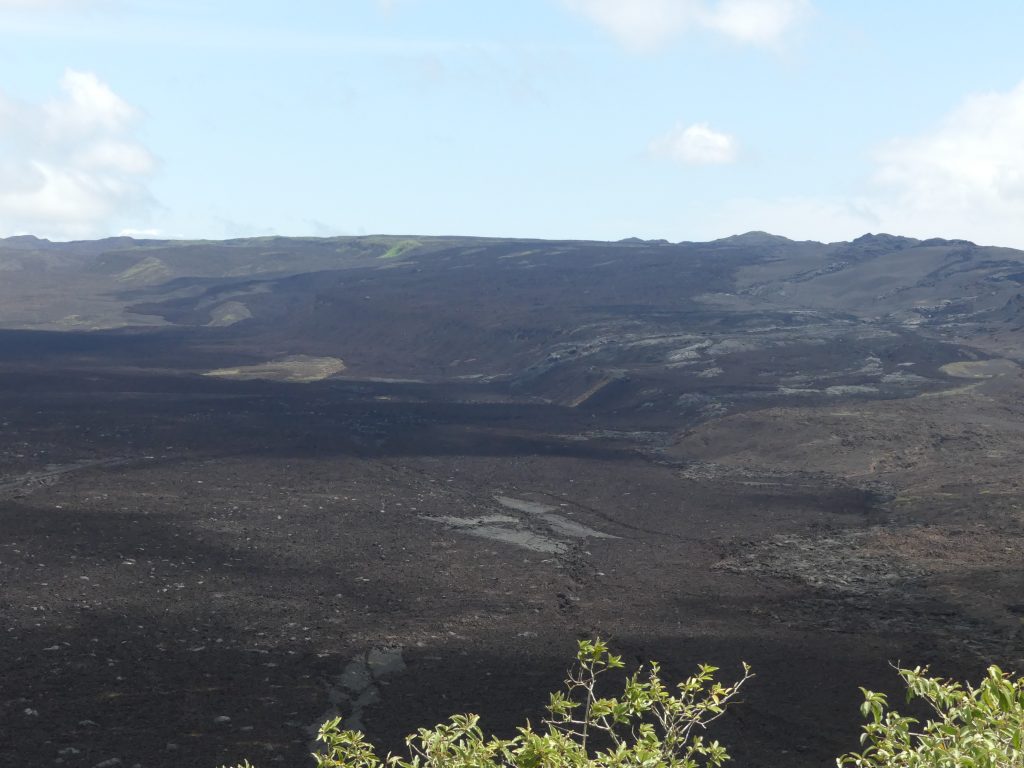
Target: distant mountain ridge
[(411, 306)]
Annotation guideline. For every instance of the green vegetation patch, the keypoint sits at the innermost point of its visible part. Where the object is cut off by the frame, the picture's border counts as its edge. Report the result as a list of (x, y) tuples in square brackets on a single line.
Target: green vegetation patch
[(400, 248)]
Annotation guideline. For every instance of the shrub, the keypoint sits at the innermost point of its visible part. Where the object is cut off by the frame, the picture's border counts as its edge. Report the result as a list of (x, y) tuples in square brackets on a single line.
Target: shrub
[(652, 726), (973, 727), (648, 725)]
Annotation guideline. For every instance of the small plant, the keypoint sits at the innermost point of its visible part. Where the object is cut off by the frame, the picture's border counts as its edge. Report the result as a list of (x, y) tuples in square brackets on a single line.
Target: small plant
[(973, 727), (649, 725)]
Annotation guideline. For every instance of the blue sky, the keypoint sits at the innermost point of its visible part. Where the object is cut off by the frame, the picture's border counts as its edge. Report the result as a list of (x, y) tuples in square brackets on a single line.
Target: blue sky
[(602, 119)]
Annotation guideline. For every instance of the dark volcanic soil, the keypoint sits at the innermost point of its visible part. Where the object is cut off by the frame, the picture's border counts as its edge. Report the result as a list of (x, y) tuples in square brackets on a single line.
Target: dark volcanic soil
[(528, 444)]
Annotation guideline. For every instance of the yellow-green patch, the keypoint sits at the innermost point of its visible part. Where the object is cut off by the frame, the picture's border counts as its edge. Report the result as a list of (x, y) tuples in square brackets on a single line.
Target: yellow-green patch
[(149, 269), (980, 369), (297, 369), (400, 248)]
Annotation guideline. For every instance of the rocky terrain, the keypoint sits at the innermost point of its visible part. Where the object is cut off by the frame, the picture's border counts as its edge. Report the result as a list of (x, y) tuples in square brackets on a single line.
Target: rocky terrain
[(248, 485)]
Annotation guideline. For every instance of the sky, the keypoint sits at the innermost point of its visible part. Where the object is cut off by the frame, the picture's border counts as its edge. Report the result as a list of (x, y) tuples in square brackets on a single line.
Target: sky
[(584, 119)]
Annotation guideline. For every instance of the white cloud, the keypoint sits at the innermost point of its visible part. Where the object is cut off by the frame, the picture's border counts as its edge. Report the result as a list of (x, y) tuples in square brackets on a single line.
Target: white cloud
[(640, 24), (760, 22), (142, 234), (89, 107), (643, 25), (123, 156), (963, 178), (973, 159), (71, 167), (696, 144)]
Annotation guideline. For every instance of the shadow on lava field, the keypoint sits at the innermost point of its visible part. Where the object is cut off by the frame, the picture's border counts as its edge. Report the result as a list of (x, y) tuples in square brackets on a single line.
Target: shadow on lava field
[(166, 690)]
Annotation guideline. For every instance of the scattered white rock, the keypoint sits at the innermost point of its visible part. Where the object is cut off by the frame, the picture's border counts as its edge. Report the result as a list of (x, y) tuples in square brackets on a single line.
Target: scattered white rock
[(851, 389)]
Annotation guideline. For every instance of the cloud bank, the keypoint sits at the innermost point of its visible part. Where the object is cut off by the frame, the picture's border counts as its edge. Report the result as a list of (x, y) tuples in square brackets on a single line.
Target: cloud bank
[(71, 167), (973, 161), (962, 178)]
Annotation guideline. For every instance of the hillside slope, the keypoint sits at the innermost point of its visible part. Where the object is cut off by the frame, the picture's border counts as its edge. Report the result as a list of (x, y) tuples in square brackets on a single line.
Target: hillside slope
[(273, 479)]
